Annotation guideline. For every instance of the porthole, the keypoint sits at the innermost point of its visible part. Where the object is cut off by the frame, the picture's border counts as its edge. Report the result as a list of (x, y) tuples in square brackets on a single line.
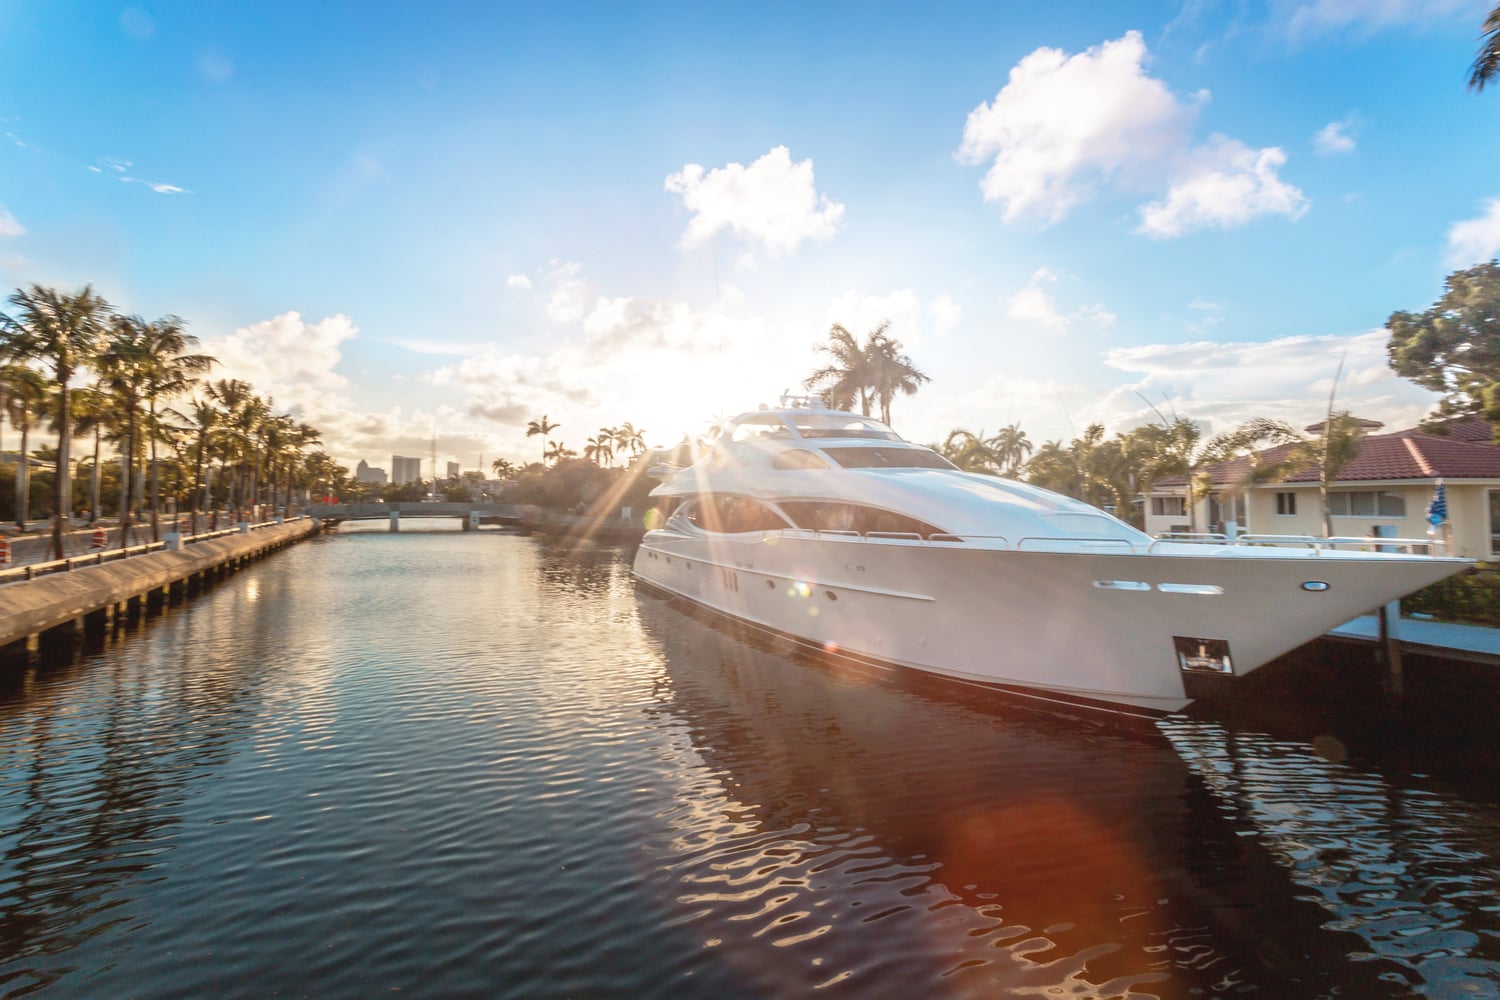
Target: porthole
[(771, 584), (831, 595), (1315, 586)]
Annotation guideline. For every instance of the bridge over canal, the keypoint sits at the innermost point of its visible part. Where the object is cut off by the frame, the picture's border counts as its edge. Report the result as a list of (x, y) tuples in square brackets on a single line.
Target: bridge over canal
[(471, 515)]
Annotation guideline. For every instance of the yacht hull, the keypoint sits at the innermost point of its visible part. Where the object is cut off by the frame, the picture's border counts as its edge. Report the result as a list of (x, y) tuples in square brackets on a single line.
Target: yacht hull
[(1119, 630)]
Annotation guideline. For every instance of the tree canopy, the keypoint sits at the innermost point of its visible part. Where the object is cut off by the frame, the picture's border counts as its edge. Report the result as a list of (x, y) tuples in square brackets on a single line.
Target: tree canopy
[(1454, 347)]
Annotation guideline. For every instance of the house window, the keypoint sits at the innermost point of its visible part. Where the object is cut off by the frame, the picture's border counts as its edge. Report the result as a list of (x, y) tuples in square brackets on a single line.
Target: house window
[(1168, 506), (1495, 522), (1367, 503), (1286, 503)]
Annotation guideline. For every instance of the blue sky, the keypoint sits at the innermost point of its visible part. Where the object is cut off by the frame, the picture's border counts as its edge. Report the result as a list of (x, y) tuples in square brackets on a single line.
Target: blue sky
[(402, 220)]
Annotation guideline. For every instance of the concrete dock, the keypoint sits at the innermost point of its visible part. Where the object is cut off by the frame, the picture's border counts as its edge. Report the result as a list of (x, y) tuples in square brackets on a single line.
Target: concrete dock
[(92, 596)]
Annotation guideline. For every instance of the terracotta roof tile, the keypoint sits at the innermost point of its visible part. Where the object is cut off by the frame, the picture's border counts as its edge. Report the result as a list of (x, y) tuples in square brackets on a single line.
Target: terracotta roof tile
[(1466, 453)]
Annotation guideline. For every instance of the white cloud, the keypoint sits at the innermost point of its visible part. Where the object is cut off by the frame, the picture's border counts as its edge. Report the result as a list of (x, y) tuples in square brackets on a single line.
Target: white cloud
[(1288, 378), (1335, 137), (1063, 125), (1035, 305), (773, 203), (1328, 16), (1475, 240), (517, 281), (122, 167), (1227, 185), (9, 227), (285, 357), (1064, 128), (913, 322), (567, 300), (946, 314)]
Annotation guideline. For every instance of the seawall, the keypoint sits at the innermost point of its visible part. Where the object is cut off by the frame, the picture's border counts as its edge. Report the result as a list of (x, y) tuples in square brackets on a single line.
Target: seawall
[(90, 596)]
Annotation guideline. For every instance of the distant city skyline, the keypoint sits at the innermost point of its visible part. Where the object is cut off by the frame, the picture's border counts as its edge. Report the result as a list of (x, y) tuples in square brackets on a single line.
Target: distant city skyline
[(419, 228)]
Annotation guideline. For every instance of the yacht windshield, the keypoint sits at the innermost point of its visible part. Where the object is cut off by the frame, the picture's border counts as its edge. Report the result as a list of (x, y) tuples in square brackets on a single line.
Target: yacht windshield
[(845, 425), (888, 458)]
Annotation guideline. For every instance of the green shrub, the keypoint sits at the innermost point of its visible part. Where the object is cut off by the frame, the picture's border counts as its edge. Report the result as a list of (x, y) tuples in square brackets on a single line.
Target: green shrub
[(1472, 598)]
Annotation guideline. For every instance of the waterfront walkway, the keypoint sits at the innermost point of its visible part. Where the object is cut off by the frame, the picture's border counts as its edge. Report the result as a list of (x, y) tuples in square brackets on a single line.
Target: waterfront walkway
[(1474, 643)]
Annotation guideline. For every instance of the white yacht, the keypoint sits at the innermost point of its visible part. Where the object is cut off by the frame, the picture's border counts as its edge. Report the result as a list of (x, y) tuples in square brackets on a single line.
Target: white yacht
[(828, 528)]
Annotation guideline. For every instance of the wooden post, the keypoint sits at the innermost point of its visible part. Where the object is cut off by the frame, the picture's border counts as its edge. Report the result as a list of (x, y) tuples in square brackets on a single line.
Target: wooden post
[(1389, 650)]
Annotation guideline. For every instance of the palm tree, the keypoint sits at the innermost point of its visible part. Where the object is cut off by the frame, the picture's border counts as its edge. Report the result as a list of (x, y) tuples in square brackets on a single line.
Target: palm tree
[(1053, 467), (93, 414), (1011, 448), (848, 376), (204, 419), (23, 391), (143, 364), (874, 372), (1487, 63), (557, 452), (890, 371), (600, 447), (1335, 444), (63, 330), (627, 435), (122, 367), (1182, 452), (969, 451), (502, 468), (544, 427), (243, 412)]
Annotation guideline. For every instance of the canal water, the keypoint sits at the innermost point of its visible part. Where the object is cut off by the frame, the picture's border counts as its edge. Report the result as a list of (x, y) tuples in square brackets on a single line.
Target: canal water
[(443, 764)]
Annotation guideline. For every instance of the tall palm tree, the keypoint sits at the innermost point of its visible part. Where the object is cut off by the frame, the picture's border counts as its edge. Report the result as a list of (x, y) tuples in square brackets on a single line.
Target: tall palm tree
[(122, 367), (627, 435), (891, 371), (63, 331), (169, 371), (242, 413), (601, 446), (847, 376), (544, 427), (502, 467), (203, 417), (24, 397), (93, 413), (1487, 63)]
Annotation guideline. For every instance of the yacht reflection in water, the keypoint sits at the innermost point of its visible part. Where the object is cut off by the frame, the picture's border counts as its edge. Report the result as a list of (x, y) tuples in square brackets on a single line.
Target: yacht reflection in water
[(849, 830)]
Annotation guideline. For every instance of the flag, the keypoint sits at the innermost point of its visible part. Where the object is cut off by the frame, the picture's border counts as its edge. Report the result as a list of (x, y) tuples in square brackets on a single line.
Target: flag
[(1437, 511)]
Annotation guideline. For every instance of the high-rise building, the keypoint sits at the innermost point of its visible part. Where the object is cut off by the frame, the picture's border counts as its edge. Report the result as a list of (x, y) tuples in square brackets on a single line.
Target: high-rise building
[(364, 472), (452, 470), (405, 470)]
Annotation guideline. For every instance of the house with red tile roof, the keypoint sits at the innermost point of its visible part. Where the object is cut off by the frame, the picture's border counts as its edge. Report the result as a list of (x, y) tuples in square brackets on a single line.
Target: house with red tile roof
[(1385, 490)]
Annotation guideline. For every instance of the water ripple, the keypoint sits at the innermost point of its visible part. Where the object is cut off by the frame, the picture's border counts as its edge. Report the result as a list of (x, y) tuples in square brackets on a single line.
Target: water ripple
[(465, 764)]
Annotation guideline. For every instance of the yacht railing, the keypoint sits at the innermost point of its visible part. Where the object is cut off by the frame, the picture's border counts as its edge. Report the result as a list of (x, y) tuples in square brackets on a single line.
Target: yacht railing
[(984, 541), (1361, 543), (1071, 543)]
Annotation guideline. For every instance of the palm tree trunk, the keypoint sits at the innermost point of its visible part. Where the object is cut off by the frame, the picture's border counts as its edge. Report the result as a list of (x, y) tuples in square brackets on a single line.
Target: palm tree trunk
[(63, 485), (94, 485), (155, 480), (23, 479), (127, 464)]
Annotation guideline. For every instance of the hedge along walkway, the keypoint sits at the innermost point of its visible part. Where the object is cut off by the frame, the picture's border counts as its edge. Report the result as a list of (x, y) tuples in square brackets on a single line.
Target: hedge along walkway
[(60, 600)]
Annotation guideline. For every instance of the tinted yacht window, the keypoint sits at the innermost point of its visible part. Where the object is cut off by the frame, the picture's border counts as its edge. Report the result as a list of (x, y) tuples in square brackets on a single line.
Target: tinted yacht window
[(888, 458), (732, 515), (798, 459)]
